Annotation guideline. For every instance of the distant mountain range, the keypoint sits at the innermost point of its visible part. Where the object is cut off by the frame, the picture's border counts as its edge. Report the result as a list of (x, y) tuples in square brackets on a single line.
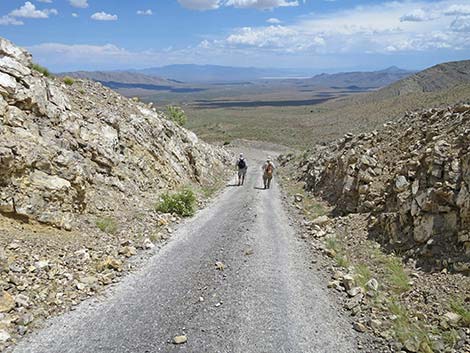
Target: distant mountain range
[(130, 83), (216, 73), (190, 78)]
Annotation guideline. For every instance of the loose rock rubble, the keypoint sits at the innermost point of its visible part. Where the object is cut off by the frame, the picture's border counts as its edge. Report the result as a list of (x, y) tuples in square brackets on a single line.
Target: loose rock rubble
[(412, 176), (81, 169)]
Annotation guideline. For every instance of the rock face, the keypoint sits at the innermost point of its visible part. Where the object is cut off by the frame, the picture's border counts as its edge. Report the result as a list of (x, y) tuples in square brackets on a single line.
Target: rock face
[(82, 148), (412, 176)]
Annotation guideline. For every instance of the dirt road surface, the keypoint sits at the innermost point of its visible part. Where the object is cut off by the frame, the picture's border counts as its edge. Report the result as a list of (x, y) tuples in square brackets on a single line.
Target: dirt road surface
[(262, 298)]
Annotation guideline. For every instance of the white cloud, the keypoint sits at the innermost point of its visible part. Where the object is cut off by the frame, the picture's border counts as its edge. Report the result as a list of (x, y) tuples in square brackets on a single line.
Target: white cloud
[(383, 28), (456, 9), (261, 4), (461, 24), (272, 36), (8, 20), (418, 15), (45, 1), (200, 4), (273, 21), (242, 4), (74, 14), (145, 12), (81, 4), (28, 10), (103, 16)]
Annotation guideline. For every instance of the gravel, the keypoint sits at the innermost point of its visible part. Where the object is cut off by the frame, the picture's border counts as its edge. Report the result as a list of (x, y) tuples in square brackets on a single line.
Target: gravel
[(264, 298)]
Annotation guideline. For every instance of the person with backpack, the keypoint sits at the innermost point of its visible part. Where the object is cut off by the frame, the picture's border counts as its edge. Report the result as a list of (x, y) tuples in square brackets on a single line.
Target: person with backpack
[(242, 168), (268, 171)]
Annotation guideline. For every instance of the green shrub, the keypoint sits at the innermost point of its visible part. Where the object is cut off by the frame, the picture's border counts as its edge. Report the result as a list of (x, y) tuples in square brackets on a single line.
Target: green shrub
[(182, 203), (42, 70), (68, 80), (177, 115), (107, 224)]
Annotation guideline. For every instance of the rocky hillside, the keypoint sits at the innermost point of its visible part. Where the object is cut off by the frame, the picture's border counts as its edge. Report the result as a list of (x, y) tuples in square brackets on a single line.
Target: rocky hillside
[(123, 77), (412, 176), (80, 148), (372, 79), (438, 78), (435, 78)]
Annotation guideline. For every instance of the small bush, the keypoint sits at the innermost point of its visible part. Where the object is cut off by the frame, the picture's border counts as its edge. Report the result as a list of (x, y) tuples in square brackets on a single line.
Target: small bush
[(182, 203), (107, 225), (69, 81), (42, 70), (177, 115)]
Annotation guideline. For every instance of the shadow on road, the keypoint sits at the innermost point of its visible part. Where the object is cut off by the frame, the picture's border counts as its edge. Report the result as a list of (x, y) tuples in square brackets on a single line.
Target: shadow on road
[(259, 188), (231, 185)]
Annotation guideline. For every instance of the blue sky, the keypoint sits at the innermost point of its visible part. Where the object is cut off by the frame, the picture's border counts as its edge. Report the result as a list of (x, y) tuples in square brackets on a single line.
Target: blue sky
[(330, 35)]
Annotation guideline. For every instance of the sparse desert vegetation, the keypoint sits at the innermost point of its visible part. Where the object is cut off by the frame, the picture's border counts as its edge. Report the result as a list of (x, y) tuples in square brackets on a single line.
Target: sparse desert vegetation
[(68, 80), (177, 115), (41, 69), (303, 126), (182, 203)]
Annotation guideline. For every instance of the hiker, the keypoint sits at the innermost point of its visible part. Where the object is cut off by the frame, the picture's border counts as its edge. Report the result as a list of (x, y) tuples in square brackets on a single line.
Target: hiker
[(242, 168), (268, 170)]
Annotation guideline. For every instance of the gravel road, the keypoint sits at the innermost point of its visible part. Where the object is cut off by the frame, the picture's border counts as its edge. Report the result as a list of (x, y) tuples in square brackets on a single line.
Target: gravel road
[(266, 299)]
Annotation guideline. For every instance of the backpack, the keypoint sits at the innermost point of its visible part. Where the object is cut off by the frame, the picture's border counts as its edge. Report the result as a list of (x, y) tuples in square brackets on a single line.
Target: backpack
[(241, 164), (269, 169)]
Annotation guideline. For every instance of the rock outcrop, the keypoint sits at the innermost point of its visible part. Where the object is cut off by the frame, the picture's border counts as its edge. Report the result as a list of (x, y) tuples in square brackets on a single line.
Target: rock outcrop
[(412, 176), (73, 149)]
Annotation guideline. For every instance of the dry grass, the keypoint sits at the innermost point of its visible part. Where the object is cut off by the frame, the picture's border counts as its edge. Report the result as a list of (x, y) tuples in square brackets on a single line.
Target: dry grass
[(107, 224), (461, 308)]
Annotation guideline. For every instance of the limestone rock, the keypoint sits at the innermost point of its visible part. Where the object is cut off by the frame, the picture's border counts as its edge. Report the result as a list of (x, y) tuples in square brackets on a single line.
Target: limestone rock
[(452, 318), (180, 339), (373, 285), (348, 282), (7, 302), (220, 266), (4, 336), (321, 221), (359, 326), (412, 176), (82, 149)]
